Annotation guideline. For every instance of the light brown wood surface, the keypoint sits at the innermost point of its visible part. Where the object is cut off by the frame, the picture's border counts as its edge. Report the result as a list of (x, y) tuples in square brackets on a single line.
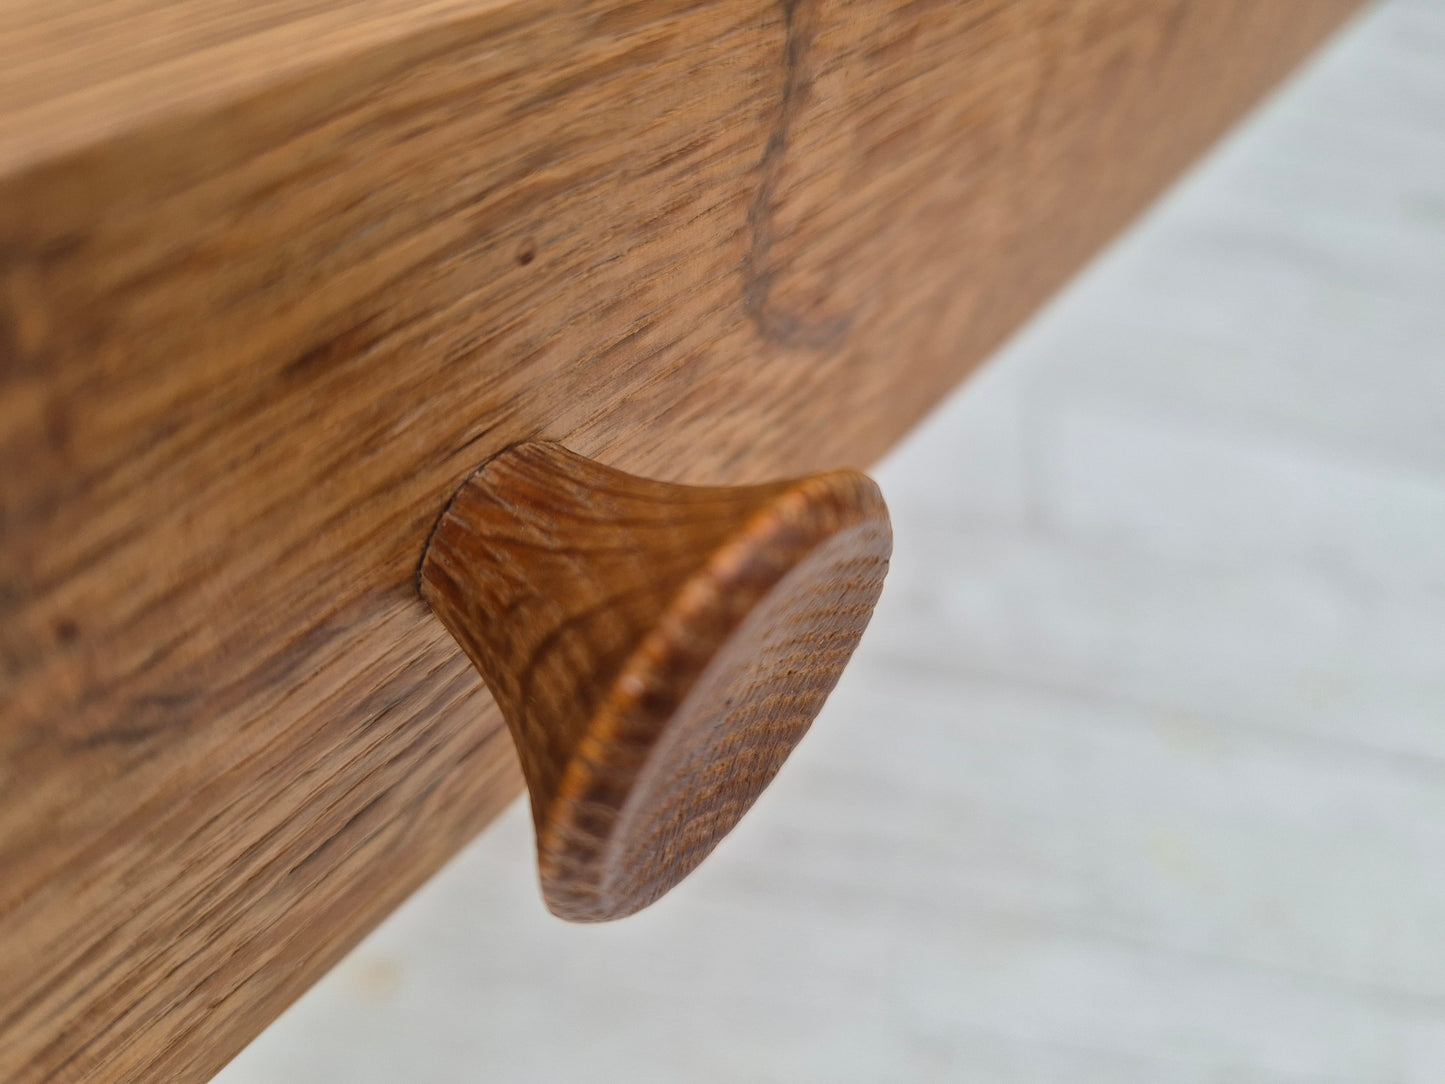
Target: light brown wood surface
[(656, 650), (268, 294)]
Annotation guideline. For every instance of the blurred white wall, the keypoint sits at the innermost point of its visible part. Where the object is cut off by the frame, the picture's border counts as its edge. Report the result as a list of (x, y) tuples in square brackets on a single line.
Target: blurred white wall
[(1139, 775)]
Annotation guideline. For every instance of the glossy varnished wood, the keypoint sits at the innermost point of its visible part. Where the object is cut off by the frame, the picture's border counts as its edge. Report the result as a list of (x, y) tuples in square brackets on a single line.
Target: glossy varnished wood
[(254, 335), (656, 650)]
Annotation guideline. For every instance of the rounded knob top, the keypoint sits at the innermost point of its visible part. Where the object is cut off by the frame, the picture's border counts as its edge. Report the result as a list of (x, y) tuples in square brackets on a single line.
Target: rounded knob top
[(656, 650)]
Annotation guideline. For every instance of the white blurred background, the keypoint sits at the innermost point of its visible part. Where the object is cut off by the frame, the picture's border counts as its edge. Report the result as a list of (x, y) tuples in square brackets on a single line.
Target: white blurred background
[(1139, 775)]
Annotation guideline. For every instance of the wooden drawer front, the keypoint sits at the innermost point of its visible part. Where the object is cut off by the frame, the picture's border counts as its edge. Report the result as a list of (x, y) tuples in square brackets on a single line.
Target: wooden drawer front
[(253, 337)]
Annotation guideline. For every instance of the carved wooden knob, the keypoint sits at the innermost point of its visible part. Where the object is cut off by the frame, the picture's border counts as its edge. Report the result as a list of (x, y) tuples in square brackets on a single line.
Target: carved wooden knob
[(657, 650)]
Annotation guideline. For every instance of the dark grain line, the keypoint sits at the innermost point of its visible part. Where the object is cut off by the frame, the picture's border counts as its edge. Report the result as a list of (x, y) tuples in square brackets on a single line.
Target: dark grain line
[(775, 324)]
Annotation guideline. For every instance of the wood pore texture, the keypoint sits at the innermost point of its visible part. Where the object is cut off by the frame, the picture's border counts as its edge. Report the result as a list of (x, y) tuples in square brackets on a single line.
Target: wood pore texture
[(275, 279)]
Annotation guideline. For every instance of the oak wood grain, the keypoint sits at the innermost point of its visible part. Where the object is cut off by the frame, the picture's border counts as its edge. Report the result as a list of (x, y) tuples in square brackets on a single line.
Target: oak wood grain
[(656, 650), (251, 340)]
